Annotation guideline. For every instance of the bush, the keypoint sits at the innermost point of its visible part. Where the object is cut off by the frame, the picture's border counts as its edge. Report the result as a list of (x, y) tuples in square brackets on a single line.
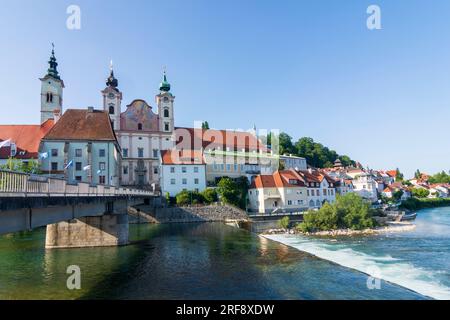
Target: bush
[(283, 223), (189, 197), (414, 204), (348, 212), (209, 195)]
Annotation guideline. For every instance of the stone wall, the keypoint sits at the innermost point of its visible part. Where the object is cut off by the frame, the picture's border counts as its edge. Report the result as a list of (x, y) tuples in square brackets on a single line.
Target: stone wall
[(102, 231), (212, 213)]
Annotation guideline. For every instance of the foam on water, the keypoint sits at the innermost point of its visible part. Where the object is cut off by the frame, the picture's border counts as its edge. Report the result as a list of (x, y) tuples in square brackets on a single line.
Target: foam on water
[(387, 268)]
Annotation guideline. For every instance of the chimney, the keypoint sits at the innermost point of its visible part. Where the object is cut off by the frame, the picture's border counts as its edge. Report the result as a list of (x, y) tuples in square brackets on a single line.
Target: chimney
[(56, 115), (90, 109)]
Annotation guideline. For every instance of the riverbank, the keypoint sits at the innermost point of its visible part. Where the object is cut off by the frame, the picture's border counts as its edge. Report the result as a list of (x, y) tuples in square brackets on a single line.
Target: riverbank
[(390, 227), (414, 204), (187, 214)]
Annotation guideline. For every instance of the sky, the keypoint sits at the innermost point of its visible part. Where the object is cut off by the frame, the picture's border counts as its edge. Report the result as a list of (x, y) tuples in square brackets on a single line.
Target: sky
[(306, 67)]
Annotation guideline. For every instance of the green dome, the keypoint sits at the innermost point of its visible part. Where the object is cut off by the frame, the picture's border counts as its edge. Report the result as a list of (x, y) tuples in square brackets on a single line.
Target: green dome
[(164, 85)]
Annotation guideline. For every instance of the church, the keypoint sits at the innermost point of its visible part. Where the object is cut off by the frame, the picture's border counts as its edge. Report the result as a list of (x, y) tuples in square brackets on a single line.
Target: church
[(142, 133)]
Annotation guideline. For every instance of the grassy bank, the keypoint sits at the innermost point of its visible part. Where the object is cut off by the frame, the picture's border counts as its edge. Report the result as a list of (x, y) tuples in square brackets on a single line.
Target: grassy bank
[(414, 204)]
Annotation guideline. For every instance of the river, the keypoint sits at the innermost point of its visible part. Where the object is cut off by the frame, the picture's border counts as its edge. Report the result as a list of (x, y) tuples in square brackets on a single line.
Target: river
[(215, 261)]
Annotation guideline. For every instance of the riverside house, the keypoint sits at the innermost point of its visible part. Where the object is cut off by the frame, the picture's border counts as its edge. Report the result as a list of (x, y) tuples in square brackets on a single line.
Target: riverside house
[(82, 147)]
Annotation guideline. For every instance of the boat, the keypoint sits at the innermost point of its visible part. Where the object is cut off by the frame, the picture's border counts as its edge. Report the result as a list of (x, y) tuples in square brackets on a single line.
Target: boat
[(409, 216)]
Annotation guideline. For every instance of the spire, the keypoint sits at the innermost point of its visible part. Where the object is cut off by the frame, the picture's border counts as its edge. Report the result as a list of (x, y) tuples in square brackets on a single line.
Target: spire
[(164, 85), (52, 70), (111, 81)]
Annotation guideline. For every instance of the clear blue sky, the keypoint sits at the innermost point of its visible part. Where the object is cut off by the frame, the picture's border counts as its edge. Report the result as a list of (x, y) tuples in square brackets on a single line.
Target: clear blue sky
[(310, 68)]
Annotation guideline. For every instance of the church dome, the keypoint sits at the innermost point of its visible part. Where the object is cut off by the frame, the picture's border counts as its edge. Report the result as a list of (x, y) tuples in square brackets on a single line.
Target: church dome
[(164, 85)]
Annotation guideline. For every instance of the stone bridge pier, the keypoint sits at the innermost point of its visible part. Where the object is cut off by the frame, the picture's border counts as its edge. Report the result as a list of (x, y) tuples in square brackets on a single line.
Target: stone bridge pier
[(108, 226)]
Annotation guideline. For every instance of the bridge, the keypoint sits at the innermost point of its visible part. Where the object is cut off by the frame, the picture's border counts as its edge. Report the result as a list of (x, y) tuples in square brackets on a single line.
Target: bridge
[(76, 215)]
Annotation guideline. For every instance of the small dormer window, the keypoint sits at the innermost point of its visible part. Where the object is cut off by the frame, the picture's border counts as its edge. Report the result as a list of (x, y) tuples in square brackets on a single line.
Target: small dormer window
[(139, 126)]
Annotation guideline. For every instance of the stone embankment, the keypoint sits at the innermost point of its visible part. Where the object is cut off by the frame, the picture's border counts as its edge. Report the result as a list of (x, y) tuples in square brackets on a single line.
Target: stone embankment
[(211, 213), (390, 227)]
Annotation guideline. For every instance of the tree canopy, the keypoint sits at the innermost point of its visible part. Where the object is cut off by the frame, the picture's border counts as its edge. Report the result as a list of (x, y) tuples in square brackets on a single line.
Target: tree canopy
[(316, 154)]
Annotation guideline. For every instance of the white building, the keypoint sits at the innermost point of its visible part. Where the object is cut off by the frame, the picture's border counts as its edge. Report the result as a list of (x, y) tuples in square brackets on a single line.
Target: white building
[(182, 170), (282, 191), (293, 162), (321, 188), (365, 185)]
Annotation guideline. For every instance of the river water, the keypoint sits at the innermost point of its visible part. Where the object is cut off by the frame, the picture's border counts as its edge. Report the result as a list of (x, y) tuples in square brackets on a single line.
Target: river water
[(215, 261)]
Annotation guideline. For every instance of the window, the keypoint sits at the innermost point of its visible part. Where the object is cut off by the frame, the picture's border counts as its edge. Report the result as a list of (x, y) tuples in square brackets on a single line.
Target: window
[(102, 166), (54, 166), (195, 169), (166, 126), (111, 109), (312, 193), (184, 181), (228, 167), (332, 192), (155, 170), (125, 169), (101, 153), (78, 166), (155, 153), (139, 126), (300, 202), (78, 153), (166, 113), (289, 202), (78, 178), (235, 167), (324, 192), (125, 152), (166, 99), (172, 181), (49, 97), (101, 179), (183, 169), (54, 152), (195, 181), (172, 169), (140, 152)]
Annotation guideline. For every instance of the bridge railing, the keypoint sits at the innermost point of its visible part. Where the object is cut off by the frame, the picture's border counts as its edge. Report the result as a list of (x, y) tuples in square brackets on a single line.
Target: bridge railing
[(23, 184)]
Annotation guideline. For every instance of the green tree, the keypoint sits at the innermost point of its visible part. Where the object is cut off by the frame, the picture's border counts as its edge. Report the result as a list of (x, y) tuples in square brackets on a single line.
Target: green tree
[(18, 165), (397, 195), (417, 174), (441, 177), (349, 211), (233, 192), (283, 223), (420, 192), (286, 145), (209, 195), (205, 125), (398, 175)]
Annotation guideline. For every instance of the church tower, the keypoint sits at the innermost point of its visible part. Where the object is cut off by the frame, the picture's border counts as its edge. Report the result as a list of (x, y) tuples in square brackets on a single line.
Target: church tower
[(112, 99), (165, 100), (51, 90)]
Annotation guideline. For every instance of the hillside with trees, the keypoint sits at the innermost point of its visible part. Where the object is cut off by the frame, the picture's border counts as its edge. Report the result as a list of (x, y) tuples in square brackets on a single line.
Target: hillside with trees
[(316, 154)]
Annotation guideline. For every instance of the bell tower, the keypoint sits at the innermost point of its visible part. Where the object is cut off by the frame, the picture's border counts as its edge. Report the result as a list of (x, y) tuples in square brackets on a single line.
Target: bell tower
[(165, 100), (51, 90), (112, 99)]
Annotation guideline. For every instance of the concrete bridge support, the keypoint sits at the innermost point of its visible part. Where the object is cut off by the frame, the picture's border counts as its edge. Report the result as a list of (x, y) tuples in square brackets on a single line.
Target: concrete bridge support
[(100, 231)]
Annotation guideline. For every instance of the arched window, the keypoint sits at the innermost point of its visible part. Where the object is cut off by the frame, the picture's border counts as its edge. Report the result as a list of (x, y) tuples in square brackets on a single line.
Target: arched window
[(49, 97), (139, 126), (166, 99), (311, 203), (111, 109), (318, 203), (166, 113)]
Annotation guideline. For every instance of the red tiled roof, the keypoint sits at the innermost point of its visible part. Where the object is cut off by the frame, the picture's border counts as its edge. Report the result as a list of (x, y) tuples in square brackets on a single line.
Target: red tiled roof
[(190, 138), (26, 137), (391, 173), (82, 124), (174, 157)]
